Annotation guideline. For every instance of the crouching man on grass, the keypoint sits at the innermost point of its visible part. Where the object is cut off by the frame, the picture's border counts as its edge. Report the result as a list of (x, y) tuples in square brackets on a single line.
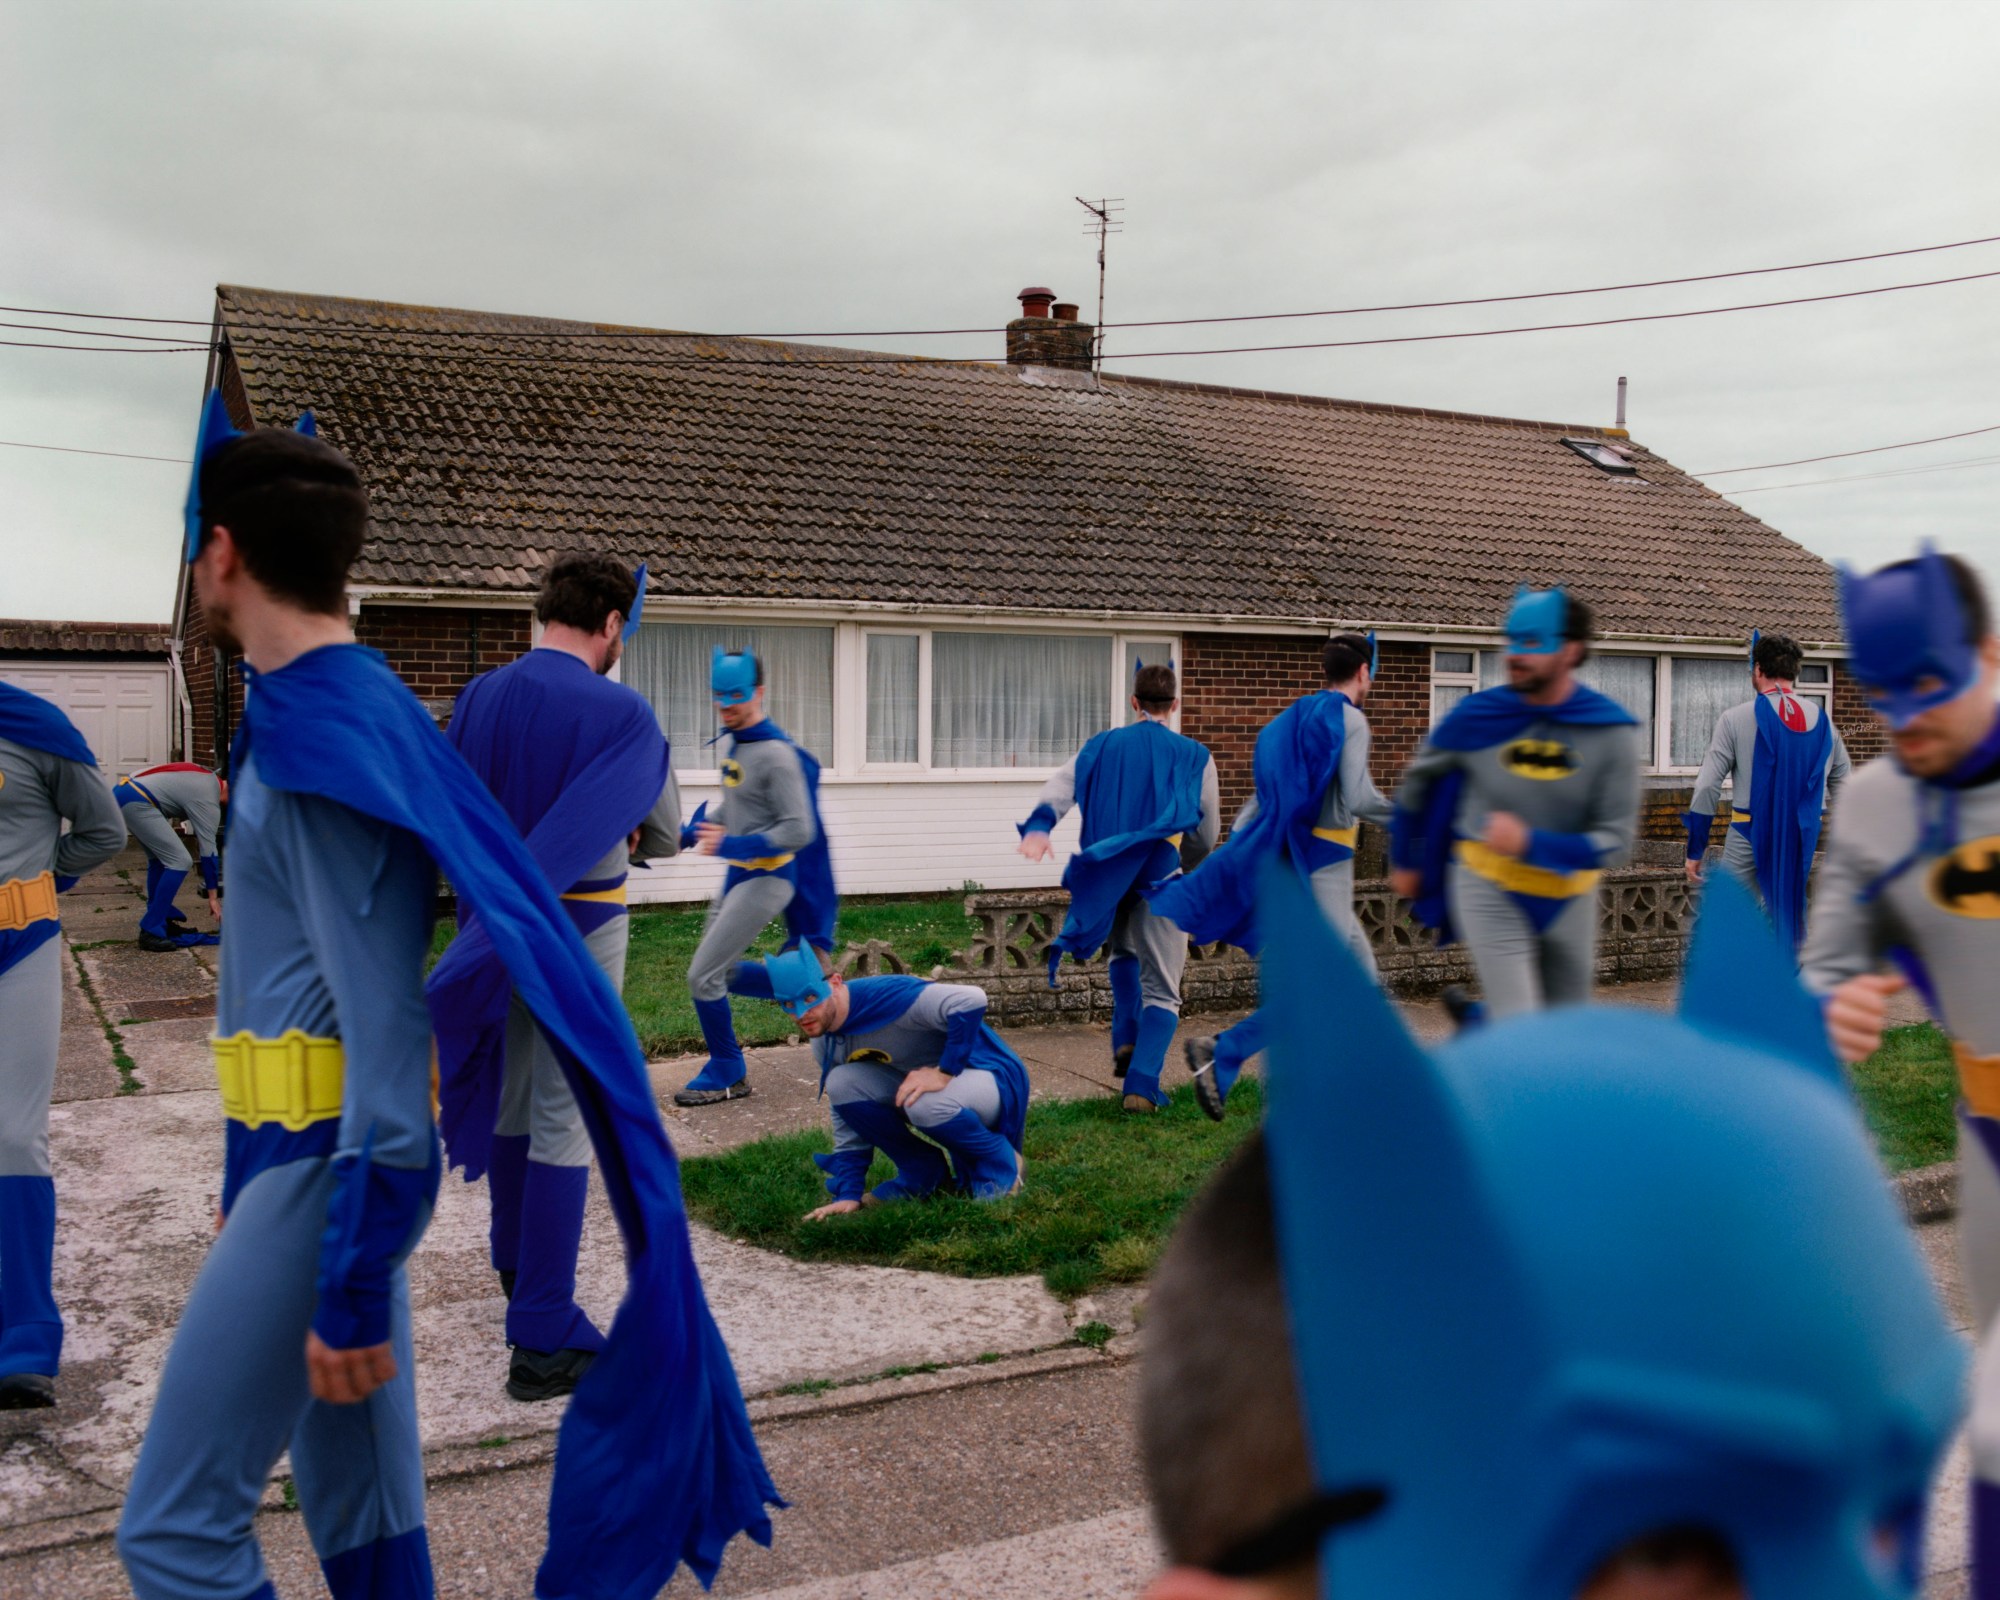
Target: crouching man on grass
[(910, 1068)]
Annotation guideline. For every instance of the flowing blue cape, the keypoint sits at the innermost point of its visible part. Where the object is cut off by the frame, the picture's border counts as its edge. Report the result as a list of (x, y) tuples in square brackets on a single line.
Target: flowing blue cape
[(656, 1464), (815, 903), (874, 1003), (35, 724), (1788, 780), (595, 766), (1424, 838), (1138, 787), (1297, 757)]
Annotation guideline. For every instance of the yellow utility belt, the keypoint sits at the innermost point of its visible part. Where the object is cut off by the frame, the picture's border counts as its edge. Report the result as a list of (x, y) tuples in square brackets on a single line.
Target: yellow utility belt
[(1978, 1081), (1518, 877), (293, 1080), (27, 900), (613, 897), (1739, 816), (1346, 836), (766, 863)]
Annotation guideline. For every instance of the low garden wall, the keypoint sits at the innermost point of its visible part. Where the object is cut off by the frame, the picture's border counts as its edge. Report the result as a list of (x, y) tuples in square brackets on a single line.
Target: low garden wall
[(1644, 913)]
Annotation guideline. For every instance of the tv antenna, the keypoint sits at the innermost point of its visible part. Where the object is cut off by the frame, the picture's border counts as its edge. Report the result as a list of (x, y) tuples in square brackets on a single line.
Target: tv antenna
[(1106, 222)]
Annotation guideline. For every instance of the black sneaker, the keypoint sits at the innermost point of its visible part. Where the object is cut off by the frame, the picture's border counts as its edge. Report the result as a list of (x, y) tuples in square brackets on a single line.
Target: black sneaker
[(738, 1090), (1121, 1061), (545, 1374), (1201, 1062), (26, 1391), (157, 943)]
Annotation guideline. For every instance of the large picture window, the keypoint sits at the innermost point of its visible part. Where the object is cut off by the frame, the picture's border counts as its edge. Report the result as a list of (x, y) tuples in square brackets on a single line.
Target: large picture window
[(668, 663), (1016, 700)]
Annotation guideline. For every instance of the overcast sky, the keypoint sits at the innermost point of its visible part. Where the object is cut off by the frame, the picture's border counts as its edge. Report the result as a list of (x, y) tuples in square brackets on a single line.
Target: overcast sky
[(747, 166)]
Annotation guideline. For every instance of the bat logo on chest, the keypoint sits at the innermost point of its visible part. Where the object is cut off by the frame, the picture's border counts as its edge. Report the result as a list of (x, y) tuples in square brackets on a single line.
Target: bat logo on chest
[(1543, 759), (1967, 882), (732, 772), (878, 1058)]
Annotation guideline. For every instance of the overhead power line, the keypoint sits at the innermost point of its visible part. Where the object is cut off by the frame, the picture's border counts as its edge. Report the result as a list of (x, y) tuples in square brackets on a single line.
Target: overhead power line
[(1162, 322), (1868, 477), (110, 349), (1841, 455), (72, 450)]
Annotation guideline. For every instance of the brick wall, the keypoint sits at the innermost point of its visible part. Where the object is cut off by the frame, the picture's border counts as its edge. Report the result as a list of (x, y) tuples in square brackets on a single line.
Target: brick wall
[(1855, 721), (1232, 684), (198, 664), (436, 650)]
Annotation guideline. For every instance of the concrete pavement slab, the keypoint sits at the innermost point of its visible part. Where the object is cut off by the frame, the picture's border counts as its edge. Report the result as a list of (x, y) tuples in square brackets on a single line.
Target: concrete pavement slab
[(173, 1056), (84, 1066), (122, 973)]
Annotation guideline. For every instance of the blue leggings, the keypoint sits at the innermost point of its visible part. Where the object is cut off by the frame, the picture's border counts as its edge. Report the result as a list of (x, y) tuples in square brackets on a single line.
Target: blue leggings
[(234, 1397)]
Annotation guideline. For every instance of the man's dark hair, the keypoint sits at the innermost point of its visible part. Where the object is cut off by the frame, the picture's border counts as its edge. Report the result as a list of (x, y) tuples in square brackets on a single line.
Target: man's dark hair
[(1153, 686), (1579, 623), (582, 588), (1219, 1429), (1778, 656), (1344, 655), (1972, 603), (295, 508)]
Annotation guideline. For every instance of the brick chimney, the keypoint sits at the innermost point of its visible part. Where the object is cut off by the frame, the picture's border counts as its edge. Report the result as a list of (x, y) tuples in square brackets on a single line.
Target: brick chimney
[(1046, 334)]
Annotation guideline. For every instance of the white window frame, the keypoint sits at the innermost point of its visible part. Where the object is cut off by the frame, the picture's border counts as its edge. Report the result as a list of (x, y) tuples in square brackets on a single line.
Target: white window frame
[(861, 763), (1658, 760)]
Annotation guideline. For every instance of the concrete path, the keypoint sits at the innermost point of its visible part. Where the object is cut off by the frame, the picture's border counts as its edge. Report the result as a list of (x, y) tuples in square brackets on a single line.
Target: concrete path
[(1006, 1403)]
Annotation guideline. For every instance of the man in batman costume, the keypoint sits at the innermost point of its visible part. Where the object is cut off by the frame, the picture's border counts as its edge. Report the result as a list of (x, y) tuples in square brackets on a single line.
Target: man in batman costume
[(153, 801), (579, 766), (1783, 759), (1595, 1304), (1515, 803), (347, 801), (1149, 798), (1911, 877)]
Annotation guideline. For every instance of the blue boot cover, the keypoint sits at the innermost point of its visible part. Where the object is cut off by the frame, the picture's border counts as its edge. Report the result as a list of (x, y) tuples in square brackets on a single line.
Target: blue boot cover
[(725, 1056), (1233, 1047), (1149, 1055), (1126, 999), (920, 1167), (846, 1172), (506, 1171), (160, 892), (31, 1329), (986, 1163), (544, 1315), (153, 871), (396, 1568)]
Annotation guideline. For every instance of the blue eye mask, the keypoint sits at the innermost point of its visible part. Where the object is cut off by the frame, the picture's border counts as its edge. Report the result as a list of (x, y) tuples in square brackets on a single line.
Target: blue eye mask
[(1906, 636), (732, 679), (797, 983), (1536, 620)]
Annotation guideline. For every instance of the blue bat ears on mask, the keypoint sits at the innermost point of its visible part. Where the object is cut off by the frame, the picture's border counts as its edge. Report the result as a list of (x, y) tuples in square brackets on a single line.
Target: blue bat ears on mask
[(217, 430), (732, 679), (1909, 646), (1374, 654), (1756, 638), (1536, 620), (638, 602)]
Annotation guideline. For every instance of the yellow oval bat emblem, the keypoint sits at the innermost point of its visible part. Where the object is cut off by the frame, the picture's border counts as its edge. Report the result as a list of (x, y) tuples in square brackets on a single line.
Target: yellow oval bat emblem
[(732, 772), (1967, 882), (879, 1058), (1546, 759)]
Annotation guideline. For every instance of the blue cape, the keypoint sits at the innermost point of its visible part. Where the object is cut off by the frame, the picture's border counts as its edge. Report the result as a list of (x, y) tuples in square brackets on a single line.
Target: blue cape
[(1424, 838), (874, 1003), (29, 720), (1297, 756), (1138, 787), (656, 1462), (599, 764), (1788, 781), (815, 903)]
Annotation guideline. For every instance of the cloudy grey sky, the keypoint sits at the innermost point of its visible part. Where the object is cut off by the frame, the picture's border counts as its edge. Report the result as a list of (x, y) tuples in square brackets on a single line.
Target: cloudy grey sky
[(761, 166)]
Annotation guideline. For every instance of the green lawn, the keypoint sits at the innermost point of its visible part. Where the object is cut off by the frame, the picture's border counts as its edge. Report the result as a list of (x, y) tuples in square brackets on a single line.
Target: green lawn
[(1908, 1089), (923, 933), (1102, 1194)]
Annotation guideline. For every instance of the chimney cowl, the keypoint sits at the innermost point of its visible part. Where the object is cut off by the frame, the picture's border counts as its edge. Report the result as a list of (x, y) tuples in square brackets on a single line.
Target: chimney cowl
[(1036, 302), (1036, 339), (1065, 311)]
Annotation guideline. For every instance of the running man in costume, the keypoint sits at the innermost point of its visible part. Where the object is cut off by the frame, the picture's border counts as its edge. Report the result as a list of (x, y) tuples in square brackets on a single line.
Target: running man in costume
[(1515, 803), (1783, 760), (570, 756), (153, 801), (1311, 792), (1144, 790), (1911, 876), (899, 1057), (347, 803), (767, 827), (47, 777), (1642, 1321)]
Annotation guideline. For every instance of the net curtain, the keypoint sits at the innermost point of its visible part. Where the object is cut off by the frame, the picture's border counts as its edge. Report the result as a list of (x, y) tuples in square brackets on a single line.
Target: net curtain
[(1016, 700), (668, 663)]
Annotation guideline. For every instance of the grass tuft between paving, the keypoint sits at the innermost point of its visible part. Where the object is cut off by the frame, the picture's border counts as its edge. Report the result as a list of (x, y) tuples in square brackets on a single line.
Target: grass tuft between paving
[(1103, 1192), (1909, 1091)]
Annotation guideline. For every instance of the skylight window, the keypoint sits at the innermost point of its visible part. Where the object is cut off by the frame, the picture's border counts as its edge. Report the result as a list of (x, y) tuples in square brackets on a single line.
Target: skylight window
[(1605, 457)]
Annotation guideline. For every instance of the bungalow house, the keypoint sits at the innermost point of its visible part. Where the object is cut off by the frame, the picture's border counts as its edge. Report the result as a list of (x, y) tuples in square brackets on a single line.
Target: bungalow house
[(951, 569)]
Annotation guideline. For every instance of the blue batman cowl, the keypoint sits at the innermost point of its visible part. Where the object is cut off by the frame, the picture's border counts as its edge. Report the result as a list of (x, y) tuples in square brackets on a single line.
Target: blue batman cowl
[(1593, 1273)]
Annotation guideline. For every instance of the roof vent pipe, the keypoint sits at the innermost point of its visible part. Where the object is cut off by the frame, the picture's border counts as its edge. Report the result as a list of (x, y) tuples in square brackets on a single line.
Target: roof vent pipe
[(1036, 302), (1621, 403), (1065, 311)]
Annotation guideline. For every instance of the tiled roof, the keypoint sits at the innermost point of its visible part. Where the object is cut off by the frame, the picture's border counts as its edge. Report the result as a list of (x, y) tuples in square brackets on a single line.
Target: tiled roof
[(21, 637), (751, 469)]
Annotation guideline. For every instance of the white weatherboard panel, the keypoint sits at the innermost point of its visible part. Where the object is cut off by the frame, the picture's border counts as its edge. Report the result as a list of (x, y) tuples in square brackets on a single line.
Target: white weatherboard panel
[(897, 838), (120, 710)]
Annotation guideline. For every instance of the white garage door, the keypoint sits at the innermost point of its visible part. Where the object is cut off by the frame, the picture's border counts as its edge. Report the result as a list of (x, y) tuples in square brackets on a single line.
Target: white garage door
[(121, 710)]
